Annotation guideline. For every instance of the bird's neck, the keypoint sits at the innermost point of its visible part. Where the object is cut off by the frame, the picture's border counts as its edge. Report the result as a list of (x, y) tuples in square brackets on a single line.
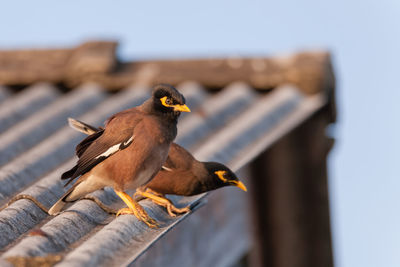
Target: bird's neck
[(207, 181), (210, 184)]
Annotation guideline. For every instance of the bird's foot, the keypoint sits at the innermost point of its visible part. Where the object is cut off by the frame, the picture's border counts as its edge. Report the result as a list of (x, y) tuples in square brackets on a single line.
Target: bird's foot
[(151, 191), (141, 215), (135, 209), (174, 211), (124, 211), (161, 200)]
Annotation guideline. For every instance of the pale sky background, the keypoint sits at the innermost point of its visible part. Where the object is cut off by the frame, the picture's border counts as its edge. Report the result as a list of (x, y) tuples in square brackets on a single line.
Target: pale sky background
[(364, 37)]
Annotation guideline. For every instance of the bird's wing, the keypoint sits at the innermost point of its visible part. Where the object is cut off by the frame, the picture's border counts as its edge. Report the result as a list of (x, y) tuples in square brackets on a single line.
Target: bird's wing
[(93, 153), (80, 149), (102, 148), (95, 148), (85, 143), (178, 158)]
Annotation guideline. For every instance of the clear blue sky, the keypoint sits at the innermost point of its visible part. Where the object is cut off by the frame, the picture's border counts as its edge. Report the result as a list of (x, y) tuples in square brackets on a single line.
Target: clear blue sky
[(364, 37)]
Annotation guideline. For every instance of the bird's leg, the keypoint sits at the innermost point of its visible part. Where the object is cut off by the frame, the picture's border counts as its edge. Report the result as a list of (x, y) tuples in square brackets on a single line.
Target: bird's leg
[(168, 203), (135, 209), (149, 190), (161, 200)]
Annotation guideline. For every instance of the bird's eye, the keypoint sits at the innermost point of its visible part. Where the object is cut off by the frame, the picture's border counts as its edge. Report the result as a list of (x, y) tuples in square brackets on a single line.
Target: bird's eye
[(221, 175), (168, 101)]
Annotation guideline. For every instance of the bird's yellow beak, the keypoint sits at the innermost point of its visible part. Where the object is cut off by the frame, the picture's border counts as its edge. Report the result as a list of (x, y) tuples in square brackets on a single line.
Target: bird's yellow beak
[(240, 185), (182, 108), (237, 183)]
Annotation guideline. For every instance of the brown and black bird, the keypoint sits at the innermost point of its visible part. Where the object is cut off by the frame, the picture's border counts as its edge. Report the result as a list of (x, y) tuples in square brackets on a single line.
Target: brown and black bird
[(128, 152), (181, 174)]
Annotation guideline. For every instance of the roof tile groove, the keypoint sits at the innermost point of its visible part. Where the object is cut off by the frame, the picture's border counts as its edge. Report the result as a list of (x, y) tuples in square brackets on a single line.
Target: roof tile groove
[(20, 106), (44, 122)]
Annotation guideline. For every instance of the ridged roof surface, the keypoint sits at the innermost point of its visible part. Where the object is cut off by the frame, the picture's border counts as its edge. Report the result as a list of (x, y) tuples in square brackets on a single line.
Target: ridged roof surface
[(231, 126), (231, 122)]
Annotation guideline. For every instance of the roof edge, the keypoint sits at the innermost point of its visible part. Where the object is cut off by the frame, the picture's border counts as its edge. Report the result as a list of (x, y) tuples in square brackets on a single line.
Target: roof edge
[(96, 61)]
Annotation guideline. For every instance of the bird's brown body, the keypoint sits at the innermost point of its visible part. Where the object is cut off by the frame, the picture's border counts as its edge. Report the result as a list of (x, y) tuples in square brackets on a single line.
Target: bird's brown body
[(128, 152), (147, 152), (185, 177)]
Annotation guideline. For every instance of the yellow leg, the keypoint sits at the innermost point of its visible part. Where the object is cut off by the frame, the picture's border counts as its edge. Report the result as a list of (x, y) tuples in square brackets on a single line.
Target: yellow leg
[(161, 200), (135, 209), (149, 190)]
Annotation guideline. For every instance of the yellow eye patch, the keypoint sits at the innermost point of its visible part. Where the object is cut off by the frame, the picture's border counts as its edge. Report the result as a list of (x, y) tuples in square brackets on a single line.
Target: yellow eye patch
[(220, 175), (164, 102), (182, 108)]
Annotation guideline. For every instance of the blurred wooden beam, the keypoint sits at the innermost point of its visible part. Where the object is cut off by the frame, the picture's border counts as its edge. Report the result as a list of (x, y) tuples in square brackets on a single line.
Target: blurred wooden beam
[(25, 67), (292, 202), (96, 61)]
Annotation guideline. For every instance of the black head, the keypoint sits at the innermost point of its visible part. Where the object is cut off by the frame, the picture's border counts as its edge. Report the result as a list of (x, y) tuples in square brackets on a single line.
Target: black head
[(222, 176), (168, 100)]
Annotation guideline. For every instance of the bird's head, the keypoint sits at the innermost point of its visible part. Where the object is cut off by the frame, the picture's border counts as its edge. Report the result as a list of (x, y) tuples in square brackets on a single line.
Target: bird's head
[(168, 100), (223, 176)]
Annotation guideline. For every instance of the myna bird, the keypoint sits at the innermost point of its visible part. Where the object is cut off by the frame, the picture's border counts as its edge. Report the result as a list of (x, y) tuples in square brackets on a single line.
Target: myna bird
[(128, 152), (181, 174)]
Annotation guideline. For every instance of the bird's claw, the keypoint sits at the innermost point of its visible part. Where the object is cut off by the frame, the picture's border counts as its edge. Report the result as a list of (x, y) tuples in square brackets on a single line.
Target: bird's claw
[(174, 211), (161, 200), (141, 215), (135, 209)]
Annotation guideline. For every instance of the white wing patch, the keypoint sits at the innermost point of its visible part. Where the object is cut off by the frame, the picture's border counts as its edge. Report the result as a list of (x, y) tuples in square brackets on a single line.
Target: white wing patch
[(109, 151), (166, 168), (115, 148), (129, 141)]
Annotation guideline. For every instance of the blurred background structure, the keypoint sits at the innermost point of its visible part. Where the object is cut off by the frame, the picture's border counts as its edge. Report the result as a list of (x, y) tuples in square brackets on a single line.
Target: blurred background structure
[(362, 36)]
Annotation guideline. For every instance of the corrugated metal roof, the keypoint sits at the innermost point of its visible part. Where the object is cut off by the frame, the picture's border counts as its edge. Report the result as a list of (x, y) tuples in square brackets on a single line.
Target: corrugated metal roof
[(231, 126), (18, 107), (4, 93), (232, 122)]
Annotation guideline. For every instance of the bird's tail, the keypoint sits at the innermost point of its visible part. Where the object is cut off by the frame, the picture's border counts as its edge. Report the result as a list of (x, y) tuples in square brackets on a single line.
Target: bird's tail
[(82, 127), (56, 208), (61, 203)]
